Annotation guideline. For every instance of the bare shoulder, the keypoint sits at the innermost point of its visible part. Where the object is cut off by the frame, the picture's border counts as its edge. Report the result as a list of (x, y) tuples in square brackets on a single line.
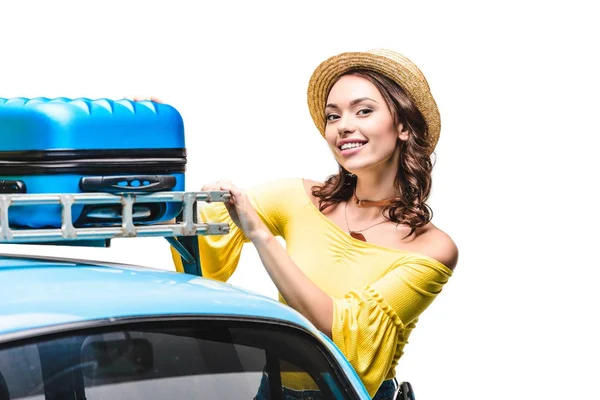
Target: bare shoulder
[(308, 187), (440, 246), (309, 183)]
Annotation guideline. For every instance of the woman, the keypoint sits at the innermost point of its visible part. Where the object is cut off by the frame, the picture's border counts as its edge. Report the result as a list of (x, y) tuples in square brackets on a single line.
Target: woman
[(363, 260)]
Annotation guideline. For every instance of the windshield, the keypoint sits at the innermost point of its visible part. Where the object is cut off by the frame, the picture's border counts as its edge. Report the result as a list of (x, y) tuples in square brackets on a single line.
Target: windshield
[(172, 360)]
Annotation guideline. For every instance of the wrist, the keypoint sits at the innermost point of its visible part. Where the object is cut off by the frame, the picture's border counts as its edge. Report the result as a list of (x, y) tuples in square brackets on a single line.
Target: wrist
[(260, 236)]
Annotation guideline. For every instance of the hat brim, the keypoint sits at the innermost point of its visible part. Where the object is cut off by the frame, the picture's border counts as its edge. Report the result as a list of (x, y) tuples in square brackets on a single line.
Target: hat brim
[(394, 66)]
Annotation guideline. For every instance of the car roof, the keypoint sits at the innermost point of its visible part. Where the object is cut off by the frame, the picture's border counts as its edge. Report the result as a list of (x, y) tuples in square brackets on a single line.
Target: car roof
[(44, 294), (37, 292)]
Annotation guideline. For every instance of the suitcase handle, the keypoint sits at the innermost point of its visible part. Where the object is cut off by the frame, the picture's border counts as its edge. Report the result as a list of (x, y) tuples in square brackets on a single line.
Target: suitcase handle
[(12, 187), (127, 183)]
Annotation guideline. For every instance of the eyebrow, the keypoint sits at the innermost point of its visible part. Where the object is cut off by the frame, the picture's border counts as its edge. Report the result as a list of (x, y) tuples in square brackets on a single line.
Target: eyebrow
[(352, 103)]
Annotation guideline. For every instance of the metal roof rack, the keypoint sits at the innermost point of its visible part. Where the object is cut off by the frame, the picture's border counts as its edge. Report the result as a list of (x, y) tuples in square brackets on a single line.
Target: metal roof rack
[(180, 234)]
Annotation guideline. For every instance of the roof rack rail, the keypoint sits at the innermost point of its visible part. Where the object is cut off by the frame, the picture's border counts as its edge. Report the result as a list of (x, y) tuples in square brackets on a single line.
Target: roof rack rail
[(181, 234)]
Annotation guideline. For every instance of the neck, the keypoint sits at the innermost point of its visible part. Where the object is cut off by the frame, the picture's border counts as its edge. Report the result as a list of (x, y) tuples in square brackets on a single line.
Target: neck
[(376, 188), (378, 182), (375, 183)]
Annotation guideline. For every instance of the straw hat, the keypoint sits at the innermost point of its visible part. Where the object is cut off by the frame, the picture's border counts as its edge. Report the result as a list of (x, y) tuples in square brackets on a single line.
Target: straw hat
[(391, 64)]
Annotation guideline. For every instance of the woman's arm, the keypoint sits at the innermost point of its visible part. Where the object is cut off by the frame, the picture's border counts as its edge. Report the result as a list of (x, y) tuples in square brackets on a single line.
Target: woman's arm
[(298, 291), (370, 325)]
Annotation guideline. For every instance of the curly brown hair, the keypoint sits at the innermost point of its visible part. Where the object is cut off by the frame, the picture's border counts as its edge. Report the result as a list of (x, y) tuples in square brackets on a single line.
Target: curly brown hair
[(413, 178)]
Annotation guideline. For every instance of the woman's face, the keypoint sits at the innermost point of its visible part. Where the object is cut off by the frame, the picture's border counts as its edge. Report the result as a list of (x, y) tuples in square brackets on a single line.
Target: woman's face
[(360, 129)]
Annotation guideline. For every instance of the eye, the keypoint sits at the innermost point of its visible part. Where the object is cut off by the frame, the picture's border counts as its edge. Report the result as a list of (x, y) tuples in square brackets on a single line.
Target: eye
[(364, 111), (331, 117)]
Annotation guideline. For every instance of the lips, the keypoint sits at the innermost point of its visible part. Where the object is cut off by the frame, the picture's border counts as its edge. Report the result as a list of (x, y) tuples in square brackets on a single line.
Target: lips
[(347, 143), (350, 148), (352, 145)]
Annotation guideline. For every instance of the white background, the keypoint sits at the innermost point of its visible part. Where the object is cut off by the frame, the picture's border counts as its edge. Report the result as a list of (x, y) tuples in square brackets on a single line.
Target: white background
[(515, 182)]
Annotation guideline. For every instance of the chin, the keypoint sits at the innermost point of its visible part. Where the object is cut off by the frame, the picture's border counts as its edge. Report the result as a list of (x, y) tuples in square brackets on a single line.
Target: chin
[(356, 167)]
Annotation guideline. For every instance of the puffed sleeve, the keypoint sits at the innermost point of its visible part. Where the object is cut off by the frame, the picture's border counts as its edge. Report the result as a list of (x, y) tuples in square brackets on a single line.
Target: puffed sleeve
[(220, 254), (371, 326)]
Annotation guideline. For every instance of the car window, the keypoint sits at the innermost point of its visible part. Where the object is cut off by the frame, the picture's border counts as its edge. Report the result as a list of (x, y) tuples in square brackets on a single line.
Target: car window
[(183, 360)]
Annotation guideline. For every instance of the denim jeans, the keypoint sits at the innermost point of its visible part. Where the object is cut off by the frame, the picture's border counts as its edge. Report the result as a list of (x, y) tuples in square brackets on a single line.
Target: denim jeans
[(385, 392)]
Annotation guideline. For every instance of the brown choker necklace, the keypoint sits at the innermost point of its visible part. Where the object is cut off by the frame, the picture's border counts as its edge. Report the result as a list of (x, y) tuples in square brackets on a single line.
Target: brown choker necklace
[(371, 203)]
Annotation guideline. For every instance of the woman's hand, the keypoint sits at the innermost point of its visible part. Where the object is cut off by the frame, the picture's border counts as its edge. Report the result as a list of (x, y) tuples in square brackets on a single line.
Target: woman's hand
[(241, 210)]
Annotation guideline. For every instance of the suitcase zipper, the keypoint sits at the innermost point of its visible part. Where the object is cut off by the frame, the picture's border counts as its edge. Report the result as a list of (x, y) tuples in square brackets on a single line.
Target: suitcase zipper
[(74, 154), (148, 161)]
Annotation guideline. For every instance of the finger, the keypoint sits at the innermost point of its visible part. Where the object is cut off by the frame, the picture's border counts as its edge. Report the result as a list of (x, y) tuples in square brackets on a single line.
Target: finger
[(137, 98), (234, 190), (225, 182), (227, 185), (238, 196), (210, 188), (214, 187), (144, 98)]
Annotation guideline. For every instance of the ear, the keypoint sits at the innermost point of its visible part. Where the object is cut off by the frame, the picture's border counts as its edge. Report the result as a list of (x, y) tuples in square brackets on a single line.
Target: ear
[(402, 132)]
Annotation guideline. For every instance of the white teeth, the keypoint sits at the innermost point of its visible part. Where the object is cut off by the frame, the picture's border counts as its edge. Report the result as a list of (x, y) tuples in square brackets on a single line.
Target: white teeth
[(351, 145)]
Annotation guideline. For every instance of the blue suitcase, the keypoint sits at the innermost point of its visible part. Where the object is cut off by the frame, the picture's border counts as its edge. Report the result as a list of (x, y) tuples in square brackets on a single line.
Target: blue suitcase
[(82, 145)]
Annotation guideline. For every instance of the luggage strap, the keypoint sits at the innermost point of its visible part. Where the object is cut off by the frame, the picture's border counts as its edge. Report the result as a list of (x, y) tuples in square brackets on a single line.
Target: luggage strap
[(180, 234)]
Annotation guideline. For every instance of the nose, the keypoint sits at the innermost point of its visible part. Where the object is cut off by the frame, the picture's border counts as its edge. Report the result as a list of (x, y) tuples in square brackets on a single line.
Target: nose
[(345, 125)]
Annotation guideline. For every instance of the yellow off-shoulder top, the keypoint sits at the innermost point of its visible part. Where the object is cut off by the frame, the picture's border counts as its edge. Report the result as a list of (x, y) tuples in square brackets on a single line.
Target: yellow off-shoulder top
[(378, 293)]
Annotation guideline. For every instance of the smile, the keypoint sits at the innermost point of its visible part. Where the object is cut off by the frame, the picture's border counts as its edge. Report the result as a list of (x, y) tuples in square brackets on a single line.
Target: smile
[(346, 146), (351, 148)]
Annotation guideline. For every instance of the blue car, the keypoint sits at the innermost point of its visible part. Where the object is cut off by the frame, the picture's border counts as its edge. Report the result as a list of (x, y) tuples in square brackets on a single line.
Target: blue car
[(78, 329)]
